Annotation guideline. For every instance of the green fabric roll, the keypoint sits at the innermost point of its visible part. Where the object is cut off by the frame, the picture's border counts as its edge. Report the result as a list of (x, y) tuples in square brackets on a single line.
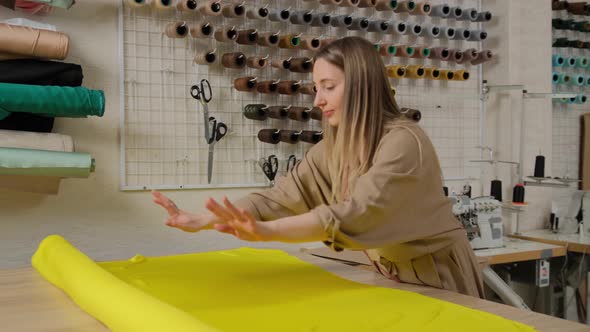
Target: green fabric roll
[(15, 161), (56, 101)]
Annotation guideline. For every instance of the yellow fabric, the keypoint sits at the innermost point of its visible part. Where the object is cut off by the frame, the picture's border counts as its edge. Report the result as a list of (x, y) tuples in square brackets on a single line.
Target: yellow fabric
[(243, 290)]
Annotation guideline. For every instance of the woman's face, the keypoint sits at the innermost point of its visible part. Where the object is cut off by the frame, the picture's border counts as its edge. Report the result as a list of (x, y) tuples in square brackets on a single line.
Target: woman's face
[(329, 83)]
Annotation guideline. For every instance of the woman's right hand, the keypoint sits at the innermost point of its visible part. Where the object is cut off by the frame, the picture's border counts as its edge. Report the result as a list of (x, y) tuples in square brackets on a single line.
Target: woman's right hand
[(183, 220)]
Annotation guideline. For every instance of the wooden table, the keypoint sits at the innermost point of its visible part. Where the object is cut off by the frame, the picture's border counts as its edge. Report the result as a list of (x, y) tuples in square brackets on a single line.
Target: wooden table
[(519, 250), (573, 242), (30, 303)]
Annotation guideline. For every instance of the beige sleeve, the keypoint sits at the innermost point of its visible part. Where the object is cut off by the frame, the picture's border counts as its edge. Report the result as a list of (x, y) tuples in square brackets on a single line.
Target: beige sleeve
[(376, 213), (302, 189)]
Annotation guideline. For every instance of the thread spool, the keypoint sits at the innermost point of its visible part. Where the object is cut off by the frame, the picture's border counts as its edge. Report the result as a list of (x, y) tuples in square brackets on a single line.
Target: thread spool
[(432, 31), (448, 32), (446, 191), (577, 8), (311, 43), (247, 37), (539, 166), (483, 17), (518, 194), (460, 75), (405, 6), (301, 17), (366, 3), (559, 5), (455, 55), (578, 80), (349, 3), (281, 63), (359, 24), (257, 13), (414, 28), (187, 5), (440, 53), (496, 190), (226, 34), (442, 11), (137, 3), (206, 57), (468, 55), (398, 27), (267, 87), (580, 99), (587, 83), (422, 8), (329, 2), (469, 14), (245, 84), (201, 30), (564, 78), (461, 34), (289, 41), (288, 87), (316, 114), (257, 62), (278, 112), (302, 114), (279, 15), (570, 61), (210, 8), (176, 30), (557, 60), (431, 73), (446, 75), (341, 21), (404, 51), (235, 60), (233, 10), (396, 71), (456, 13), (582, 62), (414, 71), (477, 35), (301, 65), (555, 77), (289, 136), (163, 4), (308, 89), (378, 26), (270, 136), (268, 39), (482, 56), (386, 49), (311, 136), (385, 5), (258, 112), (320, 19)]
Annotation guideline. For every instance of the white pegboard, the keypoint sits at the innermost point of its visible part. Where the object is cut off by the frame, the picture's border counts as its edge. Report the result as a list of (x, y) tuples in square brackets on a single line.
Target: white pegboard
[(163, 143)]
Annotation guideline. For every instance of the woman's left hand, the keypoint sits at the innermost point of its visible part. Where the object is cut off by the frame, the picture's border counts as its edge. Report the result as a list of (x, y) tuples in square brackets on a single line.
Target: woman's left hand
[(238, 222)]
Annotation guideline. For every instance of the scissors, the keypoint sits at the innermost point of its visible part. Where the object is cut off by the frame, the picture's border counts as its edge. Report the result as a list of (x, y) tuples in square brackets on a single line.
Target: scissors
[(202, 93), (218, 130), (270, 167), (291, 161)]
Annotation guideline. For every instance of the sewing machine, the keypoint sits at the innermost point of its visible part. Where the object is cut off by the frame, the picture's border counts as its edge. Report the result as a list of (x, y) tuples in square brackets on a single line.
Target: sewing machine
[(482, 219)]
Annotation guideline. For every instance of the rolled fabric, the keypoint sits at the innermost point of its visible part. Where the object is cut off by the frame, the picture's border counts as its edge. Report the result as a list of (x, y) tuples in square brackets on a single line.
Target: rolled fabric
[(289, 136), (414, 71), (359, 24), (281, 62), (201, 30), (442, 10), (187, 5), (310, 43), (422, 8), (257, 13), (245, 84), (301, 17), (37, 141), (278, 112), (40, 72), (205, 57), (279, 15), (431, 73), (176, 30), (378, 26), (469, 14), (405, 6), (311, 136), (557, 60), (301, 65), (258, 112), (482, 56), (288, 87), (257, 62), (15, 161), (27, 122), (341, 21), (226, 34), (267, 87), (32, 42), (233, 10), (271, 136), (268, 39), (483, 17), (440, 53), (316, 114), (235, 60), (299, 113), (477, 35), (460, 75), (58, 101), (247, 37), (385, 5), (289, 41), (308, 89), (210, 7), (396, 71), (320, 19), (468, 55)]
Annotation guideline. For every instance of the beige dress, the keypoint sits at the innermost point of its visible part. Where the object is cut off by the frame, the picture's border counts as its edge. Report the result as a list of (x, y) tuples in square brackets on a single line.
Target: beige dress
[(397, 209)]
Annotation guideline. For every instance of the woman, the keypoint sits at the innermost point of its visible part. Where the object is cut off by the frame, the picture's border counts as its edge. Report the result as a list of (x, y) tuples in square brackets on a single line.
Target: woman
[(373, 183)]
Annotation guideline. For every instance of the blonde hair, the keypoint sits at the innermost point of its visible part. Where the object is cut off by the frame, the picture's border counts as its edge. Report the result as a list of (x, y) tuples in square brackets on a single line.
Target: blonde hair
[(369, 106)]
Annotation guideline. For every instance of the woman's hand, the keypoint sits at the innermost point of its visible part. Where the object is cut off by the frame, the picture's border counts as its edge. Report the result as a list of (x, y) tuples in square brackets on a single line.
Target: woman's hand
[(239, 222), (183, 220)]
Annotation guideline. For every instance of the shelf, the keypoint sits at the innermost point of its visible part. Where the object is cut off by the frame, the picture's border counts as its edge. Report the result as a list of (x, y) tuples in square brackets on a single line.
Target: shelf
[(544, 182)]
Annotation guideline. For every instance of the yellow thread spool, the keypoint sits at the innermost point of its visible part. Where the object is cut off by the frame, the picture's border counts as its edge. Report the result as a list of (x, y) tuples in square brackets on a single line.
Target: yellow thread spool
[(397, 71)]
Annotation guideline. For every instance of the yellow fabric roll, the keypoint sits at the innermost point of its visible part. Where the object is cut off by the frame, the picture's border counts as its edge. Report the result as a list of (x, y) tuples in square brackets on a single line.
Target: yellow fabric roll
[(244, 290)]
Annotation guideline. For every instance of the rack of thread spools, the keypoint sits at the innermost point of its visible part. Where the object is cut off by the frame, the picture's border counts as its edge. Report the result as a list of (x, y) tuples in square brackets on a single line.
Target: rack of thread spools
[(190, 66)]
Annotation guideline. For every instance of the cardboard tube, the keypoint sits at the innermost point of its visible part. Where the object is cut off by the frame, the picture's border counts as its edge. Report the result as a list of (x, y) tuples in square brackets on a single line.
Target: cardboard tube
[(257, 13), (210, 8), (442, 11), (311, 136), (320, 19), (422, 8), (19, 40), (288, 87), (226, 34), (206, 57), (278, 112), (385, 5), (378, 26), (245, 84), (176, 30), (482, 56), (483, 17), (397, 71), (201, 30), (258, 112), (236, 60), (297, 113), (460, 75), (268, 39), (310, 43), (279, 15), (289, 136), (247, 37), (289, 41), (366, 3), (257, 62), (446, 74), (431, 73), (478, 35), (267, 86), (404, 51), (281, 62), (440, 53), (349, 3), (232, 10), (359, 24), (405, 6), (187, 5), (163, 4), (316, 114), (301, 65), (301, 17), (271, 136), (414, 71), (341, 21)]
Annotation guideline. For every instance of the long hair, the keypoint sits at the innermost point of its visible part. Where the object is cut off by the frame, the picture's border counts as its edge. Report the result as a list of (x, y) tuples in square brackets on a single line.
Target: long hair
[(369, 106)]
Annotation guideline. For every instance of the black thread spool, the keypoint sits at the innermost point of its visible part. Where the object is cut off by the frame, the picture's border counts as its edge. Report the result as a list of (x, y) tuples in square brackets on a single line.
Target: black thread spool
[(257, 112), (518, 194), (496, 190), (446, 191), (539, 166)]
